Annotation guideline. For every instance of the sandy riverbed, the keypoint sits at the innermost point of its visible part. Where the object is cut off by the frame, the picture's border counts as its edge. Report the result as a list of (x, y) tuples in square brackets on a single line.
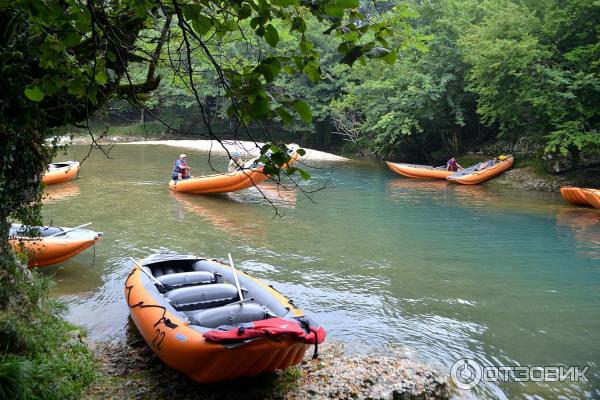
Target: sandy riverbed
[(247, 149)]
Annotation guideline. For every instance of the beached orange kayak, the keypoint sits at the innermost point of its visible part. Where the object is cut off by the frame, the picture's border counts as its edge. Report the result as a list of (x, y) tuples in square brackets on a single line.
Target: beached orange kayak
[(481, 172), (220, 183), (190, 314), (52, 245), (593, 197), (574, 195), (419, 171), (60, 172)]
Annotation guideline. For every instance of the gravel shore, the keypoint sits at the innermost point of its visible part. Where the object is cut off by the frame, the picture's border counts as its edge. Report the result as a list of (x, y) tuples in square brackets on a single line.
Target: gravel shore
[(130, 370)]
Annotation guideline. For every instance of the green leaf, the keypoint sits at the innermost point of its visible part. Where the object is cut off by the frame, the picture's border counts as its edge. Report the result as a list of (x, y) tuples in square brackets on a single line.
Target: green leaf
[(259, 108), (101, 77), (111, 56), (285, 116), (202, 24), (244, 12), (301, 152), (271, 35), (72, 38), (269, 68), (35, 93), (303, 110), (352, 54), (305, 175)]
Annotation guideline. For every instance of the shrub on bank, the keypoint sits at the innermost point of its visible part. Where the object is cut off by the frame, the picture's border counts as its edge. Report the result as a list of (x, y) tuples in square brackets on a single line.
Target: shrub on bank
[(41, 354)]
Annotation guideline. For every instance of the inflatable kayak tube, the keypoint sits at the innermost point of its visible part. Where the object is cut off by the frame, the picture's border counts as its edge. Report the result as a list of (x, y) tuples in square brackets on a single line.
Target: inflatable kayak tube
[(481, 172), (190, 314), (593, 197), (419, 171), (574, 195), (220, 183), (48, 245), (60, 172)]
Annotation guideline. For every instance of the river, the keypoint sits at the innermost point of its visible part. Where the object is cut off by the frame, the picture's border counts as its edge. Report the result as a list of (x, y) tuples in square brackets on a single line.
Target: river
[(500, 276)]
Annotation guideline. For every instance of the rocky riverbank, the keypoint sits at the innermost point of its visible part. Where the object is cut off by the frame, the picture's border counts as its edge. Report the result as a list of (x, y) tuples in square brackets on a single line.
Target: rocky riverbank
[(130, 370), (527, 178)]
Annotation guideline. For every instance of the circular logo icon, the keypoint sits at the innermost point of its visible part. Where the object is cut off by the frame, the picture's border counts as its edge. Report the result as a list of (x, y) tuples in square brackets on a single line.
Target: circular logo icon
[(466, 373)]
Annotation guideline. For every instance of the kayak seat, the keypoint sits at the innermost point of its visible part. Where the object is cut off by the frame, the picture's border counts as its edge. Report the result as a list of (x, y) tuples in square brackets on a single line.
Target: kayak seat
[(202, 297), (180, 279), (229, 315), (168, 270)]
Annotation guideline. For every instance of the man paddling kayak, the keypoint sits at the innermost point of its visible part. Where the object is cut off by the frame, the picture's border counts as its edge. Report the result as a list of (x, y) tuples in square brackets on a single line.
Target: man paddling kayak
[(181, 169)]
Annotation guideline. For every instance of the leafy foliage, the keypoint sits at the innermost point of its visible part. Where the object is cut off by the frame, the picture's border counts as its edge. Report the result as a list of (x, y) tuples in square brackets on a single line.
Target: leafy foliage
[(535, 71)]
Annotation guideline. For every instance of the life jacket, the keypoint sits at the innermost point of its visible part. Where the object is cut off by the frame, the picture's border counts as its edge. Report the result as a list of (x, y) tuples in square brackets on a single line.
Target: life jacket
[(180, 168), (452, 165), (302, 329)]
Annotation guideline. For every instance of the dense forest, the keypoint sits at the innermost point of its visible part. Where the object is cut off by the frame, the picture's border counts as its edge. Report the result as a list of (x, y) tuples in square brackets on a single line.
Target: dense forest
[(466, 73)]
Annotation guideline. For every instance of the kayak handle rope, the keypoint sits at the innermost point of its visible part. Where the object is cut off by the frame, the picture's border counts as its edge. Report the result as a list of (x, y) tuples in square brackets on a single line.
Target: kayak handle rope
[(306, 325), (166, 321)]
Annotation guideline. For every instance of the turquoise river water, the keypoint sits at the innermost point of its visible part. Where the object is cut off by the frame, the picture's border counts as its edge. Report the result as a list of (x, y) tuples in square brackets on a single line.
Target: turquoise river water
[(500, 276)]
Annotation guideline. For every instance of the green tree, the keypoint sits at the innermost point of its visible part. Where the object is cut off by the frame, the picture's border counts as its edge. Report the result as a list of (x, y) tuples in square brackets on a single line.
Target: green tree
[(534, 68)]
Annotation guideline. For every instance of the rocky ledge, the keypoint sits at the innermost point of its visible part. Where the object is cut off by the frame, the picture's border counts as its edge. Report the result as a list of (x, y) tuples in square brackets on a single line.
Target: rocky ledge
[(132, 371), (526, 178)]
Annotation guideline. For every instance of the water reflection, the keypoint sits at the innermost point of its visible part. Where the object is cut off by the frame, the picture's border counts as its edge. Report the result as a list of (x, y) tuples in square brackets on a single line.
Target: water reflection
[(223, 214), (412, 190), (584, 223), (60, 191), (268, 193)]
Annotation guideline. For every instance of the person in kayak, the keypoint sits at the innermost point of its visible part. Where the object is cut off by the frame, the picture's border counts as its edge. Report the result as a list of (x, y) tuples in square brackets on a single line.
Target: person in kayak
[(235, 163), (181, 169), (452, 165)]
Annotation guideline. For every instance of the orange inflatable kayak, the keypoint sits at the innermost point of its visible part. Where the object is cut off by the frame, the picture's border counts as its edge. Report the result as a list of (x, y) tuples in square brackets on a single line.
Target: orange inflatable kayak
[(574, 195), (419, 171), (482, 171), (220, 183), (593, 197), (198, 320), (48, 245), (60, 172)]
